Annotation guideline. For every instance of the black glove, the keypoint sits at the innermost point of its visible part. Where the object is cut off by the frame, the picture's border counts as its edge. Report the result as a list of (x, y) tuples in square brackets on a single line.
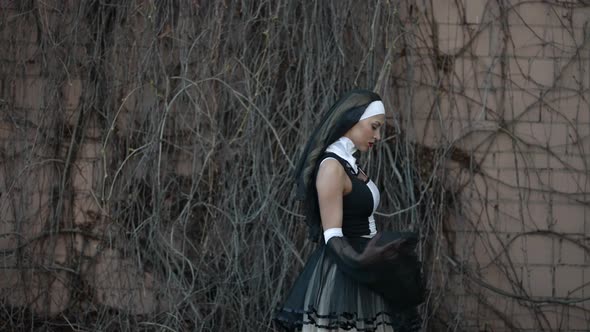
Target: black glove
[(387, 265), (373, 254)]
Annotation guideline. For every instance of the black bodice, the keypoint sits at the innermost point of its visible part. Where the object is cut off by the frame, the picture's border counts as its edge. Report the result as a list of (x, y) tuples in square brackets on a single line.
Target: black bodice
[(357, 205)]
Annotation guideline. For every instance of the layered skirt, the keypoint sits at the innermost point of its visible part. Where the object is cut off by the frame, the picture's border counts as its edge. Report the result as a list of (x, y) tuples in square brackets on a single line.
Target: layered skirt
[(327, 296)]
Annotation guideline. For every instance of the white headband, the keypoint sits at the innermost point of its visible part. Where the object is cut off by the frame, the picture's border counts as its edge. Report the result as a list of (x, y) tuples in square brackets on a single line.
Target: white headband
[(374, 108)]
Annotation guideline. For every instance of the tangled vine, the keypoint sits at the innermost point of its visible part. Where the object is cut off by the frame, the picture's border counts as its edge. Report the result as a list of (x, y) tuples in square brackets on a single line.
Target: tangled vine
[(148, 147)]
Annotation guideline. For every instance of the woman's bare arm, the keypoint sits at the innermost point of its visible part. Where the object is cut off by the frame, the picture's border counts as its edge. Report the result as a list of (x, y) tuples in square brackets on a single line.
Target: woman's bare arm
[(330, 184)]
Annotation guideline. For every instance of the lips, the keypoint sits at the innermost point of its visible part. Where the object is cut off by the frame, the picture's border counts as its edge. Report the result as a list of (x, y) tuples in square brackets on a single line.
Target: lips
[(371, 144)]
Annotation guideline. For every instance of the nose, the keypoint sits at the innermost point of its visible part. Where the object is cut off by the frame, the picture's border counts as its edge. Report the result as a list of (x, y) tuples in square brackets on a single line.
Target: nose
[(378, 135)]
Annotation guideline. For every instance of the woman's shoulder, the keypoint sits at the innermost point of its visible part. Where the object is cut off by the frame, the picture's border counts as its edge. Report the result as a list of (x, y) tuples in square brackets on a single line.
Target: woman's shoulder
[(330, 176), (331, 165), (336, 162)]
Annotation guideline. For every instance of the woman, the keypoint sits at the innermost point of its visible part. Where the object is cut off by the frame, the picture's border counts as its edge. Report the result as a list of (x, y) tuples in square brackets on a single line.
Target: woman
[(360, 280)]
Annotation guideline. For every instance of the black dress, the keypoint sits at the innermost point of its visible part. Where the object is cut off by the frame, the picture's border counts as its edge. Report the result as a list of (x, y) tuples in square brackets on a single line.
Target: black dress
[(329, 296)]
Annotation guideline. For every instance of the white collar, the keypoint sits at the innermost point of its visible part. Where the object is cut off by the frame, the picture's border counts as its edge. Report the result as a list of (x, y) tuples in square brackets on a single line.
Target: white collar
[(344, 148)]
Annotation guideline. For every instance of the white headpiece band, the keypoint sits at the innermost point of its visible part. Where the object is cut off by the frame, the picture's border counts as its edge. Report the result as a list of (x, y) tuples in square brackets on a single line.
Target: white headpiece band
[(374, 108)]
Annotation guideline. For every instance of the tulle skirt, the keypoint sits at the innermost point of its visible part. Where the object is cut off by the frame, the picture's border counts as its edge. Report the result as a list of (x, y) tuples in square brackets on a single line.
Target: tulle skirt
[(327, 297)]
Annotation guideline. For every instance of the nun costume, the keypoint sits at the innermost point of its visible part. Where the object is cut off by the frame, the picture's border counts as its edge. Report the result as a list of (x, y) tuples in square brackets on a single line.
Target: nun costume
[(358, 279)]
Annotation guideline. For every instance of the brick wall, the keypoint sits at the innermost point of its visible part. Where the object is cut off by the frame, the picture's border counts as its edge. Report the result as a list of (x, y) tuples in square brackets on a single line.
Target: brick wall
[(52, 132), (510, 86), (505, 81)]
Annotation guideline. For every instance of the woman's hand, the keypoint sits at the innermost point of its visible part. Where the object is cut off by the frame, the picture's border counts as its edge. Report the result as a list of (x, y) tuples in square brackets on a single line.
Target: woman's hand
[(375, 253)]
